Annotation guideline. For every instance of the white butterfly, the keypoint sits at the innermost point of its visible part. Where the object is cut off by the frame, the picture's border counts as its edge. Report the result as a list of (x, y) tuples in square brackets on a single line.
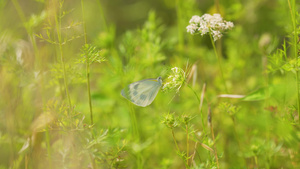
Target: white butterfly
[(142, 93)]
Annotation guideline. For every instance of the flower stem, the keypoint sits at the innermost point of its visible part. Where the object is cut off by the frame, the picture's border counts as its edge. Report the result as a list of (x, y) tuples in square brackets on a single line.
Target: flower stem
[(180, 23), (58, 30), (93, 160), (104, 23), (175, 140), (213, 136), (187, 144), (87, 68), (185, 160), (217, 6), (136, 135), (48, 147), (200, 107), (194, 93), (219, 61), (295, 36)]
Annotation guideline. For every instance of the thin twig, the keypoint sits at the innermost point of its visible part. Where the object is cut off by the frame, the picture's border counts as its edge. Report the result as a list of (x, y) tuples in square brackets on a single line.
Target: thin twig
[(293, 16), (213, 135), (219, 62), (200, 109)]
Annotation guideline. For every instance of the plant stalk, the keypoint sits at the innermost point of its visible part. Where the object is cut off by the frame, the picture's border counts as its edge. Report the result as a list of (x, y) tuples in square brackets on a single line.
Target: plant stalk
[(179, 24), (292, 7), (219, 61), (187, 144), (87, 68), (178, 150), (213, 136), (58, 30)]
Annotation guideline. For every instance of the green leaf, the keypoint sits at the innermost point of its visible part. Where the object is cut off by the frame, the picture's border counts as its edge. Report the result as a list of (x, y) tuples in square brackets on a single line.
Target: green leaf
[(258, 95)]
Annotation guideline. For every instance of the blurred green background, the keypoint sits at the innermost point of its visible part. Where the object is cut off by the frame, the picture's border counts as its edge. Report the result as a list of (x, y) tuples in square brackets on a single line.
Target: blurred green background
[(45, 117)]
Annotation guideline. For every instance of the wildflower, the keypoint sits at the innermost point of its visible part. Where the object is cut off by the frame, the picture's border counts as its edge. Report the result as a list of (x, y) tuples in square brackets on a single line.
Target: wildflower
[(170, 121), (175, 80), (213, 24), (185, 118)]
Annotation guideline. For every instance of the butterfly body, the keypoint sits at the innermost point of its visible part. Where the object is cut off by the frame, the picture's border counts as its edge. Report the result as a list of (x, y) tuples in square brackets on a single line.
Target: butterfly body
[(143, 92)]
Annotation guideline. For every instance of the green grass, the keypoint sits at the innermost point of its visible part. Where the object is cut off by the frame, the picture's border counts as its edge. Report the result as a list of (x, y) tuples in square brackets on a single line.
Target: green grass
[(63, 65)]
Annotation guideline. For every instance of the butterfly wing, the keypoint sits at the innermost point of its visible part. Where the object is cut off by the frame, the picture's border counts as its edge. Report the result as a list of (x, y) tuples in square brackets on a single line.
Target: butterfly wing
[(142, 93), (146, 95)]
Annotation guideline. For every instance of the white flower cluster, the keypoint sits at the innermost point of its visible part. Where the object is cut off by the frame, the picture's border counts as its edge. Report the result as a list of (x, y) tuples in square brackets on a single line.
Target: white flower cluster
[(175, 80), (213, 24)]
